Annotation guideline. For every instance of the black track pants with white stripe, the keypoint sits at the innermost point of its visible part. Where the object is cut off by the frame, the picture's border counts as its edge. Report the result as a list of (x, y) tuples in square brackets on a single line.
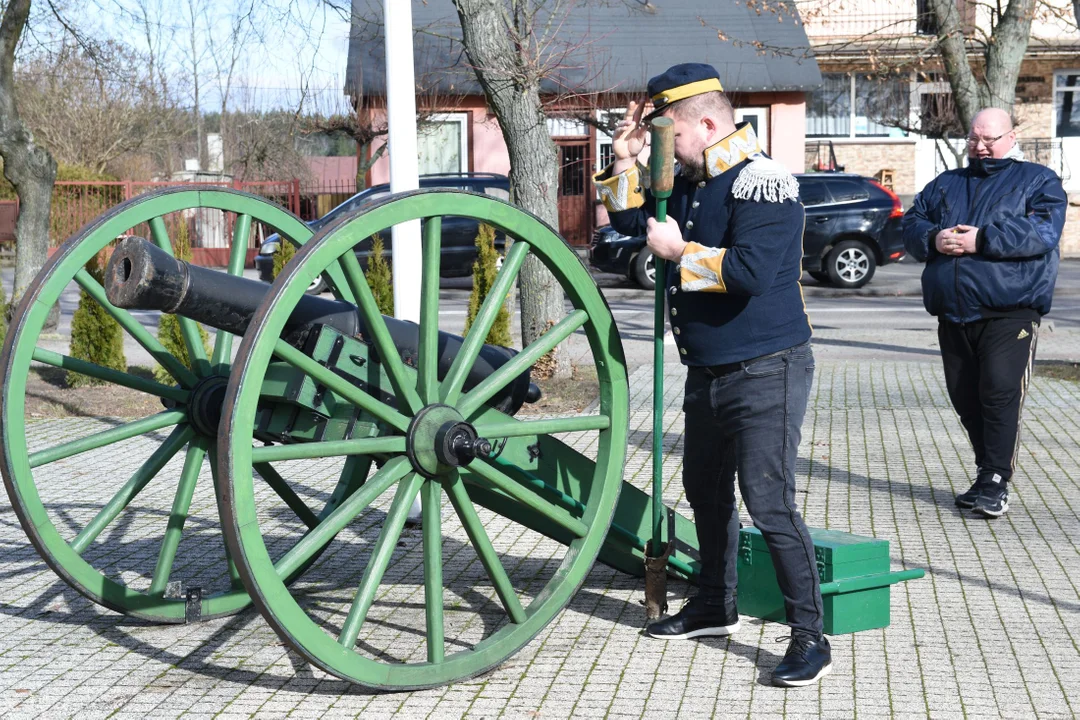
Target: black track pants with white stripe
[(987, 369)]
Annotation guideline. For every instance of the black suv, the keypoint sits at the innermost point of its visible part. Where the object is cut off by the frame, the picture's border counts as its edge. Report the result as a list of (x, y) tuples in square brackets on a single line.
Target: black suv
[(458, 234), (852, 227)]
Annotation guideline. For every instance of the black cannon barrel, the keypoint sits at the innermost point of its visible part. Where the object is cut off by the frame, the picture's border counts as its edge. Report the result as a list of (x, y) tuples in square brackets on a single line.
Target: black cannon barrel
[(141, 276)]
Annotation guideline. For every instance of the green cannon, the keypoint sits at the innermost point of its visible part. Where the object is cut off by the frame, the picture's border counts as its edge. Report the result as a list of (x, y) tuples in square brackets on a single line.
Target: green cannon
[(318, 442)]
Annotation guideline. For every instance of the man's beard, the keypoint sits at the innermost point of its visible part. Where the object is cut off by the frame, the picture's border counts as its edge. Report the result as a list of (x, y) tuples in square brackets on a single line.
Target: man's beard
[(693, 170)]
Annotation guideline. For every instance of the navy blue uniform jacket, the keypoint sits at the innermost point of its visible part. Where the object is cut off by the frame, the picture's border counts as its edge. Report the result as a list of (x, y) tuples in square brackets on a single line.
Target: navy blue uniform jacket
[(753, 305)]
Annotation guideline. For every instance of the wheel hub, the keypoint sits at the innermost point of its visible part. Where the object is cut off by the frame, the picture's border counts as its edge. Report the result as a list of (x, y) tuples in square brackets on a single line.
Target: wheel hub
[(439, 440), (204, 409)]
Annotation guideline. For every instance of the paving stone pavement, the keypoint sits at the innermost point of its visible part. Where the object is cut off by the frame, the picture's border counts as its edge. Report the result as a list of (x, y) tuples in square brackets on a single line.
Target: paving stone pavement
[(992, 630)]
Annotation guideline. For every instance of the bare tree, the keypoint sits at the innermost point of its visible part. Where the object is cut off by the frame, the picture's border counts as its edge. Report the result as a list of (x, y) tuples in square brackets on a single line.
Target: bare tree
[(28, 166), (88, 111), (501, 39), (242, 19), (196, 50)]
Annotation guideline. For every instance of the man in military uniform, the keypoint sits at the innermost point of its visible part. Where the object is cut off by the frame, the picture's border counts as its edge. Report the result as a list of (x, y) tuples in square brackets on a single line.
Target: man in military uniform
[(733, 239)]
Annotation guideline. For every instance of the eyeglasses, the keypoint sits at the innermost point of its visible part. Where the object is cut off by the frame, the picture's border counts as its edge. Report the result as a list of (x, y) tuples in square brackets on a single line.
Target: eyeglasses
[(987, 143)]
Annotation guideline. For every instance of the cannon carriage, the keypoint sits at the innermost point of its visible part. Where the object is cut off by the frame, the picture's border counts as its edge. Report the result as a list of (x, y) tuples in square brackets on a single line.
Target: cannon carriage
[(319, 431)]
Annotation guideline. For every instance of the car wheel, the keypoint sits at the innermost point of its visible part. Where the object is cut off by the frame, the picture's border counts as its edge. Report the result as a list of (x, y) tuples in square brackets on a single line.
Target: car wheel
[(318, 286), (850, 264), (645, 269), (820, 275)]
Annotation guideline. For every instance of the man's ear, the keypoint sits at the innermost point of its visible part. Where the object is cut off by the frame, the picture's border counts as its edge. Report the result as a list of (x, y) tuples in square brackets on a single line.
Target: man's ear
[(710, 127)]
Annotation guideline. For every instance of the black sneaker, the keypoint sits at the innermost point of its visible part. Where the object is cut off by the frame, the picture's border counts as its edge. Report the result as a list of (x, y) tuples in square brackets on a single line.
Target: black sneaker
[(696, 619), (806, 661), (967, 498), (993, 502)]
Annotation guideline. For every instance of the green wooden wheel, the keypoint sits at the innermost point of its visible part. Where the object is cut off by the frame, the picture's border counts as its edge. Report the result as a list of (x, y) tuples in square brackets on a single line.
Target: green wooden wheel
[(452, 632), (84, 536)]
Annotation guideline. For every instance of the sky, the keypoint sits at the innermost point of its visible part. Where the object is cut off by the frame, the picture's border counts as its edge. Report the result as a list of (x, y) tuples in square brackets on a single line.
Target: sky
[(303, 44)]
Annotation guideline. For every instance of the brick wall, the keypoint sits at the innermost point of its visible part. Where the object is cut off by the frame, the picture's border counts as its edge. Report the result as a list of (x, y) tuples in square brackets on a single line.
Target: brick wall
[(869, 159)]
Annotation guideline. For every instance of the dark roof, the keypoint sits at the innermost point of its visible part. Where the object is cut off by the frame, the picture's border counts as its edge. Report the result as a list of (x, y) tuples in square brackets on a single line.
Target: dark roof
[(607, 45)]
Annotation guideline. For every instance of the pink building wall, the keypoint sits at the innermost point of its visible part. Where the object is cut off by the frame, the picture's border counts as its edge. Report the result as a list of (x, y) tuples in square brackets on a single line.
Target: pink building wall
[(787, 126), (487, 150)]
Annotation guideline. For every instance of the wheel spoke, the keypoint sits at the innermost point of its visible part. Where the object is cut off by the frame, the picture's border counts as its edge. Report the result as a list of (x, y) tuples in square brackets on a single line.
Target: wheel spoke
[(189, 329), (237, 256), (380, 559), (286, 493), (478, 332), (146, 472), (341, 386), (116, 377), (433, 578), (521, 362), (185, 489), (547, 426), (428, 379), (315, 540), (107, 437), (134, 328), (478, 536), (230, 564), (527, 497), (375, 329), (359, 446), (349, 481)]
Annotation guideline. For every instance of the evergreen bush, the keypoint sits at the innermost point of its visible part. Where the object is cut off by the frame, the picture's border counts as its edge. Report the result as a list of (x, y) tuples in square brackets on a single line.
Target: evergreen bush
[(379, 278), (484, 270), (95, 336), (169, 327), (283, 255)]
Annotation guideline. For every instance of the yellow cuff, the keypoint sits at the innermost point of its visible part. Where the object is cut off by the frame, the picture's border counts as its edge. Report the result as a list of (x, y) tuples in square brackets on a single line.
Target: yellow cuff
[(621, 192), (700, 269)]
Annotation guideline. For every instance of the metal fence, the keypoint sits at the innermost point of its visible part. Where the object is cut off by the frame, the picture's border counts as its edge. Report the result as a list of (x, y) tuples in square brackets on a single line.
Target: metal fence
[(76, 203)]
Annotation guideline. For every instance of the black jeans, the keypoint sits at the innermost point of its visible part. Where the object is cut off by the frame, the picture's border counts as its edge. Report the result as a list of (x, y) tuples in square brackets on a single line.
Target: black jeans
[(987, 369), (747, 420)]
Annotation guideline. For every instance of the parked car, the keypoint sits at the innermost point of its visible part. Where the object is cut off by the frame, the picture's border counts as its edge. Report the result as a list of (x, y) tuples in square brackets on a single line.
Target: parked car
[(458, 234), (852, 227)]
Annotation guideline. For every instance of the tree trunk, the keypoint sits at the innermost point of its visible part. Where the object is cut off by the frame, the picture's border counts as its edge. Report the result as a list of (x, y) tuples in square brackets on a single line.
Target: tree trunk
[(1006, 52), (965, 87), (1008, 43), (512, 85), (28, 167)]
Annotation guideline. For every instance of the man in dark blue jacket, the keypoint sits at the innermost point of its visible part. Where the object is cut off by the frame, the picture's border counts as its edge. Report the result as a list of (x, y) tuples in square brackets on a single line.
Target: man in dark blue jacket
[(733, 237), (989, 236)]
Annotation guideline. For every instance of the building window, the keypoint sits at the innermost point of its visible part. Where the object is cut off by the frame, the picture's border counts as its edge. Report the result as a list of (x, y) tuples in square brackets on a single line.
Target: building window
[(442, 144), (1067, 103), (853, 106)]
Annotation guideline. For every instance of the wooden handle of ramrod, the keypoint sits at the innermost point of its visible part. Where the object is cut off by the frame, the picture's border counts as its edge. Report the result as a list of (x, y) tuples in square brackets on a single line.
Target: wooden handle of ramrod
[(662, 163)]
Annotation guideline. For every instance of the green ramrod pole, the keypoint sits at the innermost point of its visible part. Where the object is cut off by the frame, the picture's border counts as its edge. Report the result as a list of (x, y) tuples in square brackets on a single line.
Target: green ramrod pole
[(662, 176)]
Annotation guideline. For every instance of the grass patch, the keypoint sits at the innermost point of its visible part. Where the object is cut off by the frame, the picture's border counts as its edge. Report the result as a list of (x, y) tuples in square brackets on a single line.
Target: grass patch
[(566, 396), (1058, 370), (48, 396)]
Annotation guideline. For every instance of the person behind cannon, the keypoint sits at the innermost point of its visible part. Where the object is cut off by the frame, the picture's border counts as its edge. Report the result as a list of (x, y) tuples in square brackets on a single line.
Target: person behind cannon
[(733, 237), (989, 234)]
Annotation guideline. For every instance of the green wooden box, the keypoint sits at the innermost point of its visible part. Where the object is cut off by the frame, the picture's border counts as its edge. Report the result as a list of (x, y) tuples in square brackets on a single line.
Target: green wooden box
[(854, 574)]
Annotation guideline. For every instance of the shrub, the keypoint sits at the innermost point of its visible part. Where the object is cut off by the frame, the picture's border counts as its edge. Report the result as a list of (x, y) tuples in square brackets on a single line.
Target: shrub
[(283, 255), (169, 327), (95, 336), (379, 278), (484, 271)]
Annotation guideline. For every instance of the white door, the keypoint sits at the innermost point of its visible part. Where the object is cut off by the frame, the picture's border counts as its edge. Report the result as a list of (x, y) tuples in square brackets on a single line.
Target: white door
[(759, 120)]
